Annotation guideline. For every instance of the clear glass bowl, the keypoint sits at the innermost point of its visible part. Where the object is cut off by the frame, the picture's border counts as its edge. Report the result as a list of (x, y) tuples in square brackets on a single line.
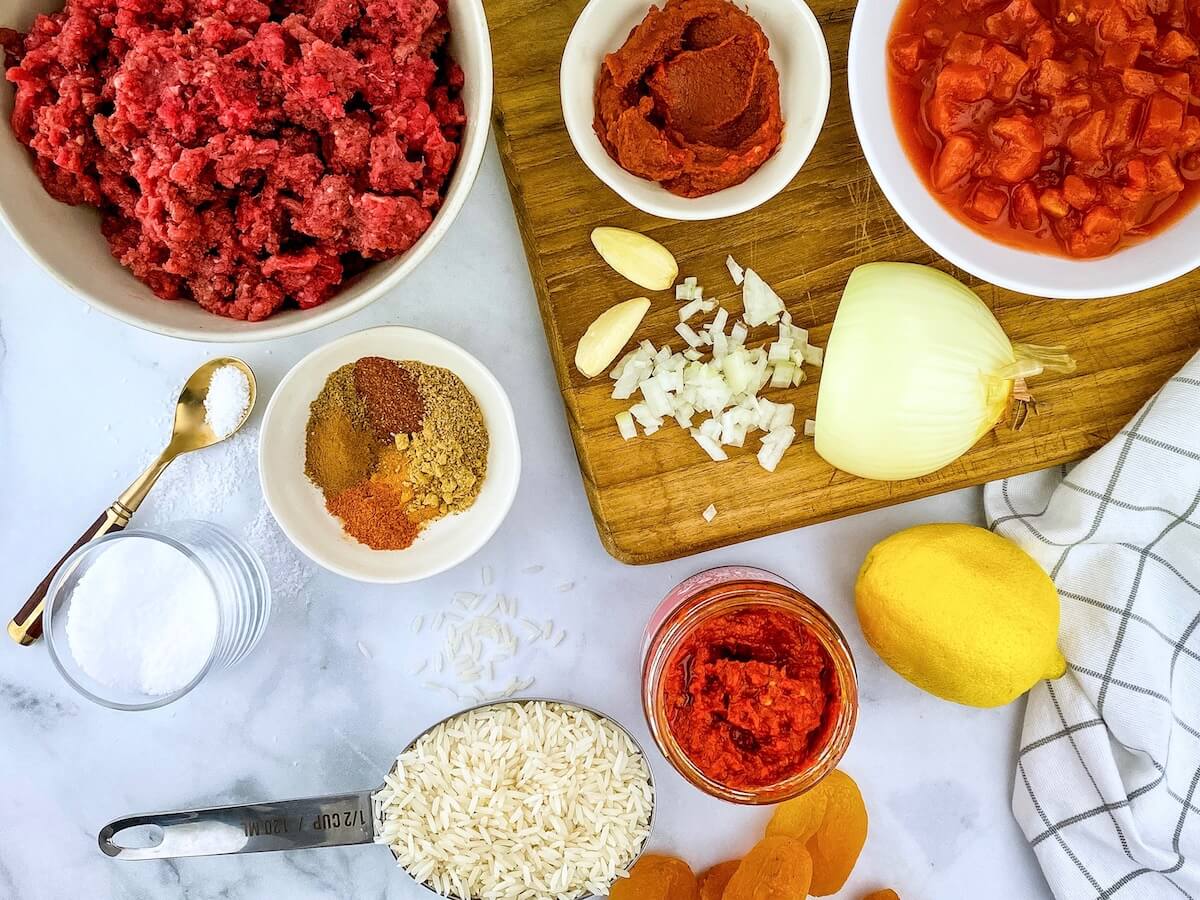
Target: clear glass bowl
[(716, 592), (239, 588)]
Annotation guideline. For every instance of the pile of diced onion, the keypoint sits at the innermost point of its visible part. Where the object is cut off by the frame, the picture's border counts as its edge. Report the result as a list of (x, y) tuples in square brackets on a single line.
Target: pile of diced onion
[(717, 398)]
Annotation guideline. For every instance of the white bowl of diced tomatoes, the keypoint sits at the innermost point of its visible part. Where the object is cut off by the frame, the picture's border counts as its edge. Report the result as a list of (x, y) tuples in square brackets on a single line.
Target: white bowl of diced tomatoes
[(1021, 159)]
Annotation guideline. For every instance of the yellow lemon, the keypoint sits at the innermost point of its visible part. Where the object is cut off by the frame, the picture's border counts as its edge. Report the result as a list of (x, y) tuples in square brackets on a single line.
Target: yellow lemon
[(961, 613)]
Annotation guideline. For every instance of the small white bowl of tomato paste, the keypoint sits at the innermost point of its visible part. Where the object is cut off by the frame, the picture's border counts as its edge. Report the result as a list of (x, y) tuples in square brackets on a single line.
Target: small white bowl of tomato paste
[(695, 109), (1047, 149)]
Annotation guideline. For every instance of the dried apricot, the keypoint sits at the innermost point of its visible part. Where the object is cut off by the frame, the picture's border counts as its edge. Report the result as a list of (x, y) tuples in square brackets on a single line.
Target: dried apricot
[(778, 868), (799, 818), (839, 840), (885, 894), (713, 882), (657, 878)]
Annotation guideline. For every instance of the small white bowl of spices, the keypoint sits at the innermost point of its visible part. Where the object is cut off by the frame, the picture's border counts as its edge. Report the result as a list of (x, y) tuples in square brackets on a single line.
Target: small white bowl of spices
[(389, 455)]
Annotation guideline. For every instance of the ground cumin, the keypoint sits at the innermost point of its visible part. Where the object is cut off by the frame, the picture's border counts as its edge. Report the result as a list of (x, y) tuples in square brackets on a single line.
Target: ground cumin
[(448, 457)]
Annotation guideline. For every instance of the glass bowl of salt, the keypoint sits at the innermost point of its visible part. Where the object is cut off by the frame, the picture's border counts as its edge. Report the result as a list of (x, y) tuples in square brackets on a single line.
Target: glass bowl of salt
[(136, 619)]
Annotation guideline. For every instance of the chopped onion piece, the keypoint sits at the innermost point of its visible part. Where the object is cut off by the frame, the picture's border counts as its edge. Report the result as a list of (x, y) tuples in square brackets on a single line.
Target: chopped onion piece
[(644, 417), (656, 398), (690, 309), (621, 364), (738, 371), (685, 331), (691, 354), (738, 333), (719, 320), (762, 304), (670, 380), (736, 272), (782, 374), (711, 429), (810, 428), (720, 345), (799, 378), (635, 371), (783, 415), (780, 351), (814, 356), (625, 425), (774, 445), (711, 447)]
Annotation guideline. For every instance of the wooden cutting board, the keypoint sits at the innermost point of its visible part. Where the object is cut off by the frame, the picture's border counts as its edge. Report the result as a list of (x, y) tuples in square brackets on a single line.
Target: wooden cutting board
[(647, 495)]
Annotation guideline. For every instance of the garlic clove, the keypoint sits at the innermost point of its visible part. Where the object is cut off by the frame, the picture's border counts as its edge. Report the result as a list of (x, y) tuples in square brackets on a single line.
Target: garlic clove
[(642, 260), (608, 335)]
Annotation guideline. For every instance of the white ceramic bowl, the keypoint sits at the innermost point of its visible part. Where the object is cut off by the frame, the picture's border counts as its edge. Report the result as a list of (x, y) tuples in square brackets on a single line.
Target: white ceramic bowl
[(297, 504), (1168, 255), (799, 52), (66, 240)]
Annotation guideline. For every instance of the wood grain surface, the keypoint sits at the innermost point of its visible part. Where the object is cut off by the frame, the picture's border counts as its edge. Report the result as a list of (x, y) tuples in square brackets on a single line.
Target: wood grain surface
[(647, 495)]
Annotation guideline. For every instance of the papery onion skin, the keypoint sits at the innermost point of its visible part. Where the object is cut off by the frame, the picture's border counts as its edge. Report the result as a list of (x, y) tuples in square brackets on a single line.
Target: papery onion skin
[(907, 385)]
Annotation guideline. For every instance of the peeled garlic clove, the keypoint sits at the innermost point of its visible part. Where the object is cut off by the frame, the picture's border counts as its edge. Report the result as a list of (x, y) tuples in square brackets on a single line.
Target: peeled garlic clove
[(642, 260), (605, 337)]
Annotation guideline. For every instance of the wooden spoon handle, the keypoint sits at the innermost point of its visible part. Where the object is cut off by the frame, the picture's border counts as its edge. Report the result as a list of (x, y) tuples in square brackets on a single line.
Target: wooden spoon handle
[(26, 626)]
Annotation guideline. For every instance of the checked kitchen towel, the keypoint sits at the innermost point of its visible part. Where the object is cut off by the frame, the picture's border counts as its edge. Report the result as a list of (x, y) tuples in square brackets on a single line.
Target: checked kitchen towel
[(1108, 772)]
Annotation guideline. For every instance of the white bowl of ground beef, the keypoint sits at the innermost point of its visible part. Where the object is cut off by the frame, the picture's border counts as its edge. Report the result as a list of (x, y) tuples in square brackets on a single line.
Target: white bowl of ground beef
[(67, 239)]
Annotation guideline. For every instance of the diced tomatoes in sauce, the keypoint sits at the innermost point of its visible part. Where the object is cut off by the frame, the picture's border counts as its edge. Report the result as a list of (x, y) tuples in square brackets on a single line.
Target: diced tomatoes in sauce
[(1066, 126)]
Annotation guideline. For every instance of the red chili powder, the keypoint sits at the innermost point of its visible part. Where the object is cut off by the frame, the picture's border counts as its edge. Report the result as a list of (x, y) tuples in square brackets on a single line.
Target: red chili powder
[(373, 513), (750, 697)]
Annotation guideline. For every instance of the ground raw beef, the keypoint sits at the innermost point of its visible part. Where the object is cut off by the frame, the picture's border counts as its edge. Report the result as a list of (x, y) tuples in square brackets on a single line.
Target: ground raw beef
[(243, 155)]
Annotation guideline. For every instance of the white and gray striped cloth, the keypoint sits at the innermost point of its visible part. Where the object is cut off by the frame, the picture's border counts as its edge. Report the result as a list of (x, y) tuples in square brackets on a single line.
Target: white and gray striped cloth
[(1108, 773)]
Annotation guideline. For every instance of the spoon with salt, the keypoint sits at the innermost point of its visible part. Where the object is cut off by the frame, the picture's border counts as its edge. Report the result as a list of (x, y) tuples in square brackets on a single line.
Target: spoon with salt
[(191, 431)]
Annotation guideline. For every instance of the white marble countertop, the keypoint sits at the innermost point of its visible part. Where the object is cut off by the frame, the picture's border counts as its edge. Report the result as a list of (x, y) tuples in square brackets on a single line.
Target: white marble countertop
[(82, 406)]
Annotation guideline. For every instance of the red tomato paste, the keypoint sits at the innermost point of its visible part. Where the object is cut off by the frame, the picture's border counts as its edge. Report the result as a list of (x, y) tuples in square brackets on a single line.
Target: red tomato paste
[(750, 696), (1066, 126), (243, 156), (691, 99)]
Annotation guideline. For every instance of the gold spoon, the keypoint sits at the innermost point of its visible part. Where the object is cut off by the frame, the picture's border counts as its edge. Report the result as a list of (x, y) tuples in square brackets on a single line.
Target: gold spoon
[(190, 432)]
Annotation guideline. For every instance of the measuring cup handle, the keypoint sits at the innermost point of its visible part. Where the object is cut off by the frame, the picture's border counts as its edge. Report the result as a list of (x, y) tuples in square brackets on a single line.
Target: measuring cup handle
[(332, 821)]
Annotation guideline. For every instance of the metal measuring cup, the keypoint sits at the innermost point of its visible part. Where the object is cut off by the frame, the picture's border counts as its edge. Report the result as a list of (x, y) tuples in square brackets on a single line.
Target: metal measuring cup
[(333, 820)]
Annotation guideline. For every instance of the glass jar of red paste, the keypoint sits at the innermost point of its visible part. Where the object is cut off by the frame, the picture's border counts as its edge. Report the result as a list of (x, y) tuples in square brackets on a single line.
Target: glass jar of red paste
[(749, 687)]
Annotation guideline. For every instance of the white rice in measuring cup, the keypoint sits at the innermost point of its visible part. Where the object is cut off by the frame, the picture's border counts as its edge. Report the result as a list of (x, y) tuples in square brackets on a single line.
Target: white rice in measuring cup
[(530, 799)]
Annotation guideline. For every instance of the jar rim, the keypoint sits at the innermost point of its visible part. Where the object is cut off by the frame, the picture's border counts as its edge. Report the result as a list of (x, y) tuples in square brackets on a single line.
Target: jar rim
[(715, 599)]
